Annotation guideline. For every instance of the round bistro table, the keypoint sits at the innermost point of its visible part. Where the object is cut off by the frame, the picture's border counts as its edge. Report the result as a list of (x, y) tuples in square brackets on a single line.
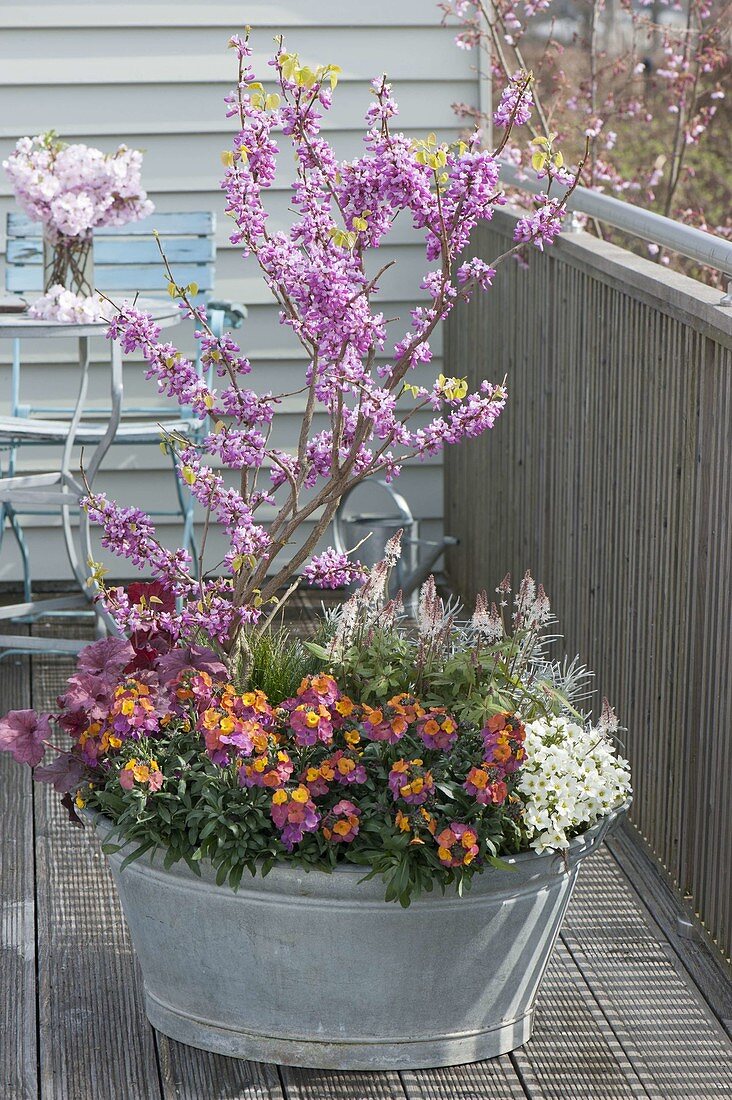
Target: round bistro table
[(61, 488)]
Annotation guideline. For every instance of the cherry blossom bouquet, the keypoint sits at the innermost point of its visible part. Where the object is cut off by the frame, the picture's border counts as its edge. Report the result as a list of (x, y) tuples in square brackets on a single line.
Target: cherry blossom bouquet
[(197, 730), (73, 189)]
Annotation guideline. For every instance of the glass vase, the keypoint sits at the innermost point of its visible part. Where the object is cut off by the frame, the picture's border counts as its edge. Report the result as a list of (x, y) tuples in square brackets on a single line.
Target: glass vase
[(68, 262)]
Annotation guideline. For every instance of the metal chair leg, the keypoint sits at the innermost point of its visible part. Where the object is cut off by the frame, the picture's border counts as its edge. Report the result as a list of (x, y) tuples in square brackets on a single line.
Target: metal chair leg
[(22, 545), (8, 512)]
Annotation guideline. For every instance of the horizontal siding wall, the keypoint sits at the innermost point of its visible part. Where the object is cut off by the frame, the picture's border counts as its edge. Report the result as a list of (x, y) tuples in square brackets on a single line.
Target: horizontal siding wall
[(609, 476), (154, 76)]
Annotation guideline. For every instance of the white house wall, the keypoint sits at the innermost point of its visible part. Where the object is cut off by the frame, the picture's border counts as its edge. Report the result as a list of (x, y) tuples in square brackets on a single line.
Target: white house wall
[(154, 76)]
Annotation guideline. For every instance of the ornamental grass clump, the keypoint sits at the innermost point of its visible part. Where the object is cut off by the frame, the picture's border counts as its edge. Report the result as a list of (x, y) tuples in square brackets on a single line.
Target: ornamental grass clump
[(203, 731)]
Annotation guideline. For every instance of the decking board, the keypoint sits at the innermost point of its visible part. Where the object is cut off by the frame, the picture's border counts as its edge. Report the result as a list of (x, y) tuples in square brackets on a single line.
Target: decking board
[(318, 1084), (574, 1053), (618, 1017), (94, 1038), (18, 1051), (190, 1074), (493, 1080), (673, 1038)]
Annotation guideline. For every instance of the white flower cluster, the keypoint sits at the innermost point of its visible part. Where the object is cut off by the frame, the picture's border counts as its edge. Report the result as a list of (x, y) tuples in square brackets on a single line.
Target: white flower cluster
[(572, 776), (59, 304)]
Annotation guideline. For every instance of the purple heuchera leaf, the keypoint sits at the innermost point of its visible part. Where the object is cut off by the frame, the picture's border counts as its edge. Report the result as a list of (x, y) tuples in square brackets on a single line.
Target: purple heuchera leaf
[(22, 733), (65, 773), (68, 804), (108, 656), (89, 693), (185, 657)]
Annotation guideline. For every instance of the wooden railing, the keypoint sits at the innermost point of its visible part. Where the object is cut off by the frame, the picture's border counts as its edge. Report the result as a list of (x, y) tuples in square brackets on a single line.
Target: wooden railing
[(609, 475)]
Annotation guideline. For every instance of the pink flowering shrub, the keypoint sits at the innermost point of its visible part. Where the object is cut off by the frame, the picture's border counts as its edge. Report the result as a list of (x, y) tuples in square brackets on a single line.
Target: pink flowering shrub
[(642, 84), (325, 272)]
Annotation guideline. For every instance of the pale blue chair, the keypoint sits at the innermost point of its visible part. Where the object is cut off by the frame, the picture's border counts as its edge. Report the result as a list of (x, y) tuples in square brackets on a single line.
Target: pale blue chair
[(126, 261)]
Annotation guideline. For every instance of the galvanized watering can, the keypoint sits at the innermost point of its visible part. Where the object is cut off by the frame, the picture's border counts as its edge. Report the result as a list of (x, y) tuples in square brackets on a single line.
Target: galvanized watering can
[(381, 513)]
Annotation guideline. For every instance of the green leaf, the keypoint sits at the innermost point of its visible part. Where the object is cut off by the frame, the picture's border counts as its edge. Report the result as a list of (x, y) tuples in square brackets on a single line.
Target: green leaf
[(145, 847), (499, 864)]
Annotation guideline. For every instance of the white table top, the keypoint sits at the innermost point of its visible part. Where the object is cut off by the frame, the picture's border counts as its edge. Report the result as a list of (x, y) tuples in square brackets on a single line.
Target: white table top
[(19, 325)]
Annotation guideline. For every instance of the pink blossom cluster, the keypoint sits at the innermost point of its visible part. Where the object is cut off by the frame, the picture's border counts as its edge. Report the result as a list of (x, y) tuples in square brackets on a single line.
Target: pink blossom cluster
[(516, 102), (651, 69), (333, 569), (73, 188), (543, 226), (341, 825)]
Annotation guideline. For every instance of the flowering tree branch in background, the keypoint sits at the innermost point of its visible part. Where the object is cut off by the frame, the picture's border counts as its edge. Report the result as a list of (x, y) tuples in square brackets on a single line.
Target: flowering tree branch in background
[(325, 275), (642, 82)]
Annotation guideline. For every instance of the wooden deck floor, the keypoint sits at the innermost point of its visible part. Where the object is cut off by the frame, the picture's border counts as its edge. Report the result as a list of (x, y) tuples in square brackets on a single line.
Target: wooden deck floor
[(619, 1015)]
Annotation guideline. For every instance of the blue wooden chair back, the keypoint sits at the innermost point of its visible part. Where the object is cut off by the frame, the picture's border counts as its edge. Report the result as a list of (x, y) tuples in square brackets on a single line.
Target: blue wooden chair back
[(126, 258)]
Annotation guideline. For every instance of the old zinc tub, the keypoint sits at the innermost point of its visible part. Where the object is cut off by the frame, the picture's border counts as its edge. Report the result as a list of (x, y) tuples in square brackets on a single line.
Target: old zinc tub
[(314, 969)]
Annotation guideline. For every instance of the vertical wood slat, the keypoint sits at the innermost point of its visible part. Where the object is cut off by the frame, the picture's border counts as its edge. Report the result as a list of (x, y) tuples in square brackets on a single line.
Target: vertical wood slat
[(610, 476)]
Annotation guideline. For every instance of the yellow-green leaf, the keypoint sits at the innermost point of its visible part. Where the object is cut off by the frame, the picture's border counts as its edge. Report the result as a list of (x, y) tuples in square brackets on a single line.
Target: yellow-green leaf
[(172, 290), (342, 238), (188, 475), (454, 389), (289, 67)]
